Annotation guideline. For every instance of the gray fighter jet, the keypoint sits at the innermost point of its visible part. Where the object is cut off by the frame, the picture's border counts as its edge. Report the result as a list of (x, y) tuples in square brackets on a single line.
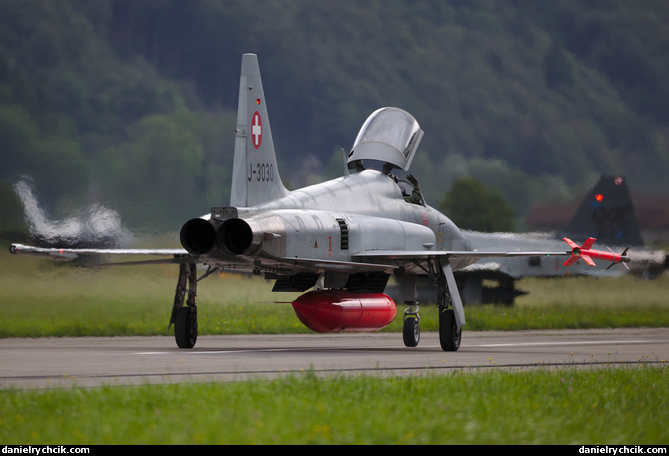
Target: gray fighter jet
[(606, 212), (341, 239), (96, 226)]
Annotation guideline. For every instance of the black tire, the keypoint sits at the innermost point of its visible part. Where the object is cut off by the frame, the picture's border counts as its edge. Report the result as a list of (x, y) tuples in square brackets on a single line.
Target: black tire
[(449, 335), (185, 327), (411, 331)]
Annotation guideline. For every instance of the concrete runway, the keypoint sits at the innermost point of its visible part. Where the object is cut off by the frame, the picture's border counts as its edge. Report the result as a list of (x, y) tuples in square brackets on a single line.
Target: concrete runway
[(95, 361)]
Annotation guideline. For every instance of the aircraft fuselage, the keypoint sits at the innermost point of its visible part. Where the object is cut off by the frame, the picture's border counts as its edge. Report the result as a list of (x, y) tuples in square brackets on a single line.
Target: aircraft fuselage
[(333, 221)]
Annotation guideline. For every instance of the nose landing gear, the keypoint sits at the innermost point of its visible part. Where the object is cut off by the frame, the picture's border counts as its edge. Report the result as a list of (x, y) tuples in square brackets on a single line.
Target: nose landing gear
[(411, 325)]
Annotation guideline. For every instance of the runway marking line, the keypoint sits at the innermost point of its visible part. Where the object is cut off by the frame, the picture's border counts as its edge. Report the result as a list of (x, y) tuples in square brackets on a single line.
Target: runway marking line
[(585, 342), (518, 344), (219, 352)]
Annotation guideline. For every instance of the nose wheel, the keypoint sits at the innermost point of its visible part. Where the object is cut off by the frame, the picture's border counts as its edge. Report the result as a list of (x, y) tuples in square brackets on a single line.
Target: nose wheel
[(411, 326)]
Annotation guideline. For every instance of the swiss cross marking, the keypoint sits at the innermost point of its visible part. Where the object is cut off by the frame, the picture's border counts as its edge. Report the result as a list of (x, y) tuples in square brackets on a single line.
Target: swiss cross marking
[(256, 130)]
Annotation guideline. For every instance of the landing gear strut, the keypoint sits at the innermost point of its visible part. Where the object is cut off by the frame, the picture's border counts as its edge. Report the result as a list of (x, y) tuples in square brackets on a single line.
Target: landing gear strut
[(451, 319), (184, 317), (450, 332)]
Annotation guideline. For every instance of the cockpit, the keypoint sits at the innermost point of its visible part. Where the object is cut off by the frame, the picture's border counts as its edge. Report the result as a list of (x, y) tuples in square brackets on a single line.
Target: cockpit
[(390, 136)]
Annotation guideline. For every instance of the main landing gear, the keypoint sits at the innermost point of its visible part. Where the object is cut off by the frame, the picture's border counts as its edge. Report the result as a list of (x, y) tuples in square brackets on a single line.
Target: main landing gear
[(450, 331), (184, 317), (184, 310)]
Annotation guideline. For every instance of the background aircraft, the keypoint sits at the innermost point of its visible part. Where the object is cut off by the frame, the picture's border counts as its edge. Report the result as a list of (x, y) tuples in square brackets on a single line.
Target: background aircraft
[(606, 212), (96, 226), (342, 239)]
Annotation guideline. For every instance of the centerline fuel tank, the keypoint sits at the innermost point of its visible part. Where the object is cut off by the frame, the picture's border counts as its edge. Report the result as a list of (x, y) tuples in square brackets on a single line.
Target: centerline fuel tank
[(343, 311)]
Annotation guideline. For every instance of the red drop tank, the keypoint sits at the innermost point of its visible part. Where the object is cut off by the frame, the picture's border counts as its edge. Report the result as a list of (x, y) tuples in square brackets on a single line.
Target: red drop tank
[(343, 311)]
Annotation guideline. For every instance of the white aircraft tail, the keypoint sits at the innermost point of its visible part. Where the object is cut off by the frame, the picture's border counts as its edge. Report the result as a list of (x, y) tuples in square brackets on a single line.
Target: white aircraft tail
[(255, 174)]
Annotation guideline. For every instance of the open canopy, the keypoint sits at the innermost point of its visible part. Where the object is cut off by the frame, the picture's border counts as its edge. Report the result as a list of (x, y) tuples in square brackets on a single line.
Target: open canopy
[(389, 135)]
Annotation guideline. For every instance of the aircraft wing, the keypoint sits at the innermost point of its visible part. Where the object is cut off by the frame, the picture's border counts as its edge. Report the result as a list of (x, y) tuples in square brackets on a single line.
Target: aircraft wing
[(576, 253), (455, 254), (172, 255)]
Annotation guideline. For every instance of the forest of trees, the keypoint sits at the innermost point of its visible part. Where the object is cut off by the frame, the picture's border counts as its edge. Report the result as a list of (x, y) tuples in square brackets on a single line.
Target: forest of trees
[(132, 102)]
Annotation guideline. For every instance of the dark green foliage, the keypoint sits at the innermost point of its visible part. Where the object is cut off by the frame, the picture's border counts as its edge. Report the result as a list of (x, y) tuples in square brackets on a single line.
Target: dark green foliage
[(92, 92), (473, 206), (559, 68)]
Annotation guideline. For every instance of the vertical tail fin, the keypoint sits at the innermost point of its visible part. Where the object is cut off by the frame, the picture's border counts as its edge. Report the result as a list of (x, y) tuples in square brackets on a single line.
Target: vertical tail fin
[(255, 174), (607, 213)]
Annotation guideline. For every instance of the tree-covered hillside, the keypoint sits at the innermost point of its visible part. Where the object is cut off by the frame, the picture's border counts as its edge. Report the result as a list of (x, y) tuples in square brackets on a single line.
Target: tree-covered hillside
[(132, 102)]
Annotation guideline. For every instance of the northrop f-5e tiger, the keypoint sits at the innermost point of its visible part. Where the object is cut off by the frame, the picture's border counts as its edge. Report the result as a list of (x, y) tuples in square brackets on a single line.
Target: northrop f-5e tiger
[(338, 241)]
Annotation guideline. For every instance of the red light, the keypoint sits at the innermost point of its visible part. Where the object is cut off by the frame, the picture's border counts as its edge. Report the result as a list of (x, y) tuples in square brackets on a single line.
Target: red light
[(599, 197), (257, 100)]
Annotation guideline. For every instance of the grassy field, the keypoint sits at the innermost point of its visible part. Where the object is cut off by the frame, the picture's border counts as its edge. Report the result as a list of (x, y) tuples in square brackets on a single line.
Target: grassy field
[(40, 299), (610, 405)]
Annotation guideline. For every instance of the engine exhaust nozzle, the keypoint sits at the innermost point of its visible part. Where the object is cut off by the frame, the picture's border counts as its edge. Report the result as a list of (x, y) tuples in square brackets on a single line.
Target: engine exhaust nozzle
[(237, 236), (198, 235)]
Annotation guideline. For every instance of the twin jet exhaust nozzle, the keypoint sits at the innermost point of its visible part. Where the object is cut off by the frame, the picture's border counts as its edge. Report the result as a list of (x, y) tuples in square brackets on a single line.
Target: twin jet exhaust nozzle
[(233, 236)]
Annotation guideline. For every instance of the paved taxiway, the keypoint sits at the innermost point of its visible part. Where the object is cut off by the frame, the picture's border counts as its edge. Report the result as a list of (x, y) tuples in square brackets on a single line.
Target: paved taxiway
[(88, 361)]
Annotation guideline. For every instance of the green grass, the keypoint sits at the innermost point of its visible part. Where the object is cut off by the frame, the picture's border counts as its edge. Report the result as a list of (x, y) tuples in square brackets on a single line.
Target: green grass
[(580, 302), (607, 406), (42, 299)]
